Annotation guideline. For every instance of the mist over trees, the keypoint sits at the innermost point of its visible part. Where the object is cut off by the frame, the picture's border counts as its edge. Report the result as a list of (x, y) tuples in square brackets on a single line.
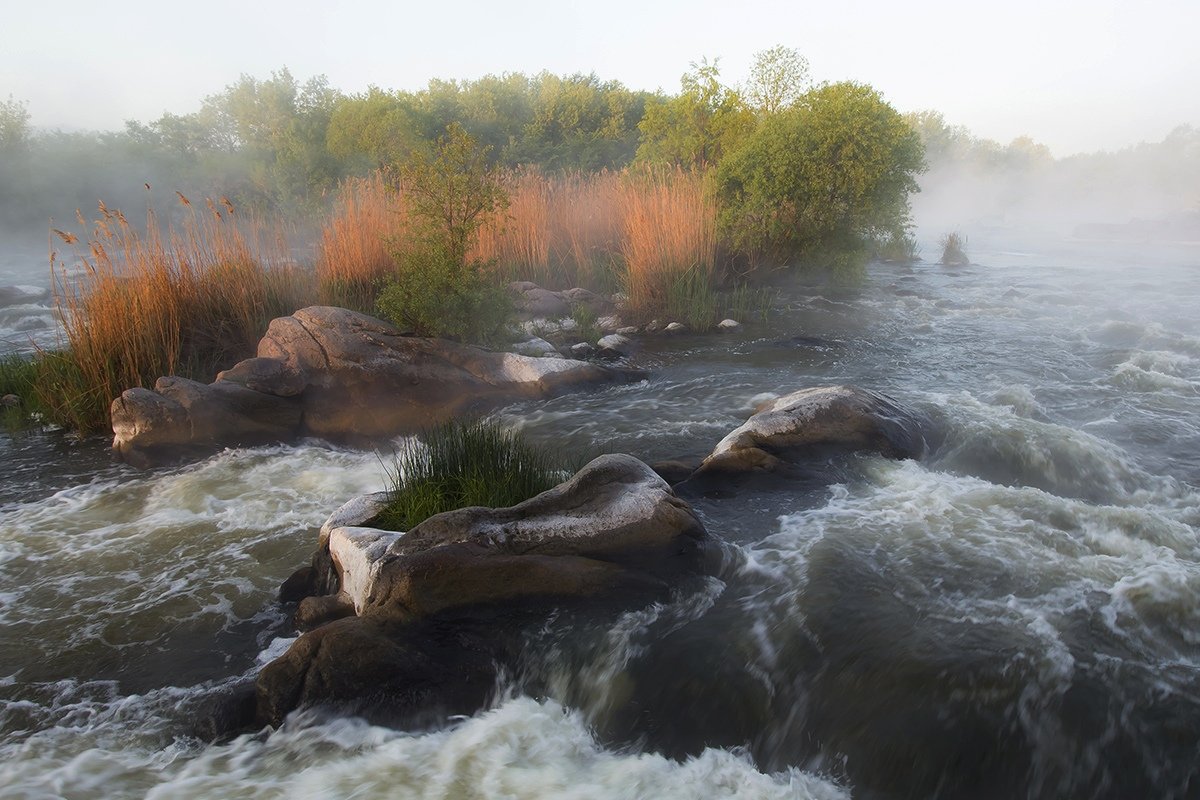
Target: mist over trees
[(282, 145)]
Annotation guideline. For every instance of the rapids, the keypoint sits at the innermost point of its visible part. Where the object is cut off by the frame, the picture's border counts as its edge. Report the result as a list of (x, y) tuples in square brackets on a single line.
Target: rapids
[(1015, 615)]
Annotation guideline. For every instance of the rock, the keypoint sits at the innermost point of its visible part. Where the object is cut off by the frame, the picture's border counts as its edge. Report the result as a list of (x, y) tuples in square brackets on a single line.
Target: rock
[(363, 381), (729, 326), (583, 297), (583, 350), (609, 323), (654, 326), (841, 416), (536, 347), (406, 675), (628, 330), (532, 300), (266, 375), (614, 523), (10, 401), (182, 418), (615, 531), (615, 341), (675, 327)]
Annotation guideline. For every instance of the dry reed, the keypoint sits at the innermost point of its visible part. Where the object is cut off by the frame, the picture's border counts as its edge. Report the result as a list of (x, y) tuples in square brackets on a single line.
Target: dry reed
[(182, 299)]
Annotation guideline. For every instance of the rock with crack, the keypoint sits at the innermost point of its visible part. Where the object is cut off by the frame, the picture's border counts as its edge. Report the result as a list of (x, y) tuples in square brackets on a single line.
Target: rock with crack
[(614, 532), (810, 421), (339, 375)]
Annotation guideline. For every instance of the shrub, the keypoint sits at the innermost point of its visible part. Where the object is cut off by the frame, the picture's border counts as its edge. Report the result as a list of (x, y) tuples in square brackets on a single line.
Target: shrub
[(898, 248), (954, 250), (820, 180), (432, 294), (465, 464)]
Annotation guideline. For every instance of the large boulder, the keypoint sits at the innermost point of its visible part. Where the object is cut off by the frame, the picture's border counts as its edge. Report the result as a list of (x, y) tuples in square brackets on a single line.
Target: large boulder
[(340, 375), (815, 420), (613, 532)]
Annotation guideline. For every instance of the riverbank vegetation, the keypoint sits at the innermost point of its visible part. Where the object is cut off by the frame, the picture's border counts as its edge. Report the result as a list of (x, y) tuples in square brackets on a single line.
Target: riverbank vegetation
[(458, 465), (427, 203)]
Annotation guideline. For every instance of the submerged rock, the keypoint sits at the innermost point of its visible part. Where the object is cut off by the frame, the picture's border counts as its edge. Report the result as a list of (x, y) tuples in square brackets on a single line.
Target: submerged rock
[(340, 375), (615, 530), (810, 421)]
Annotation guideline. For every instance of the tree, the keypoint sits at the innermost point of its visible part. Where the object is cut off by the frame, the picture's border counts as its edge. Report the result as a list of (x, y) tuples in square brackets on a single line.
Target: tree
[(697, 127), (778, 78), (822, 178), (437, 290)]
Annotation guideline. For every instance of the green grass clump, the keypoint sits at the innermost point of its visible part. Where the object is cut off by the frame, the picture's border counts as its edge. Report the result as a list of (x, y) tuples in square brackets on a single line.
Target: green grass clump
[(954, 251), (465, 464), (745, 303), (898, 249), (692, 300)]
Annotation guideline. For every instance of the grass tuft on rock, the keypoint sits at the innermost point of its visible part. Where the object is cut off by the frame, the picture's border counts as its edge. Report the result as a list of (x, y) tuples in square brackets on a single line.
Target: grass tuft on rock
[(954, 250), (463, 464)]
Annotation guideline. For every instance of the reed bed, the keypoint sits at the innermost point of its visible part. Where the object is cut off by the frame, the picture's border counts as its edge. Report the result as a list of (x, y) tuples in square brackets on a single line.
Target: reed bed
[(642, 231), (669, 244), (171, 299)]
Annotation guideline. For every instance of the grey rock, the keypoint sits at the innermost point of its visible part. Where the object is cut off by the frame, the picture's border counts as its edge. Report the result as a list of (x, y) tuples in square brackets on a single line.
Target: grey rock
[(729, 326), (675, 327)]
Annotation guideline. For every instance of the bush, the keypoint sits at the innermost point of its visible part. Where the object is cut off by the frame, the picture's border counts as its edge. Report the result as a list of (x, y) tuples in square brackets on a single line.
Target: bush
[(465, 464), (432, 294), (821, 180), (898, 248), (954, 251)]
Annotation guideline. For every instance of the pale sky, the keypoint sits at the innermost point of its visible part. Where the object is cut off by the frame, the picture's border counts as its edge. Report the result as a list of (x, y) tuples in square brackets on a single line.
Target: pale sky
[(1077, 76)]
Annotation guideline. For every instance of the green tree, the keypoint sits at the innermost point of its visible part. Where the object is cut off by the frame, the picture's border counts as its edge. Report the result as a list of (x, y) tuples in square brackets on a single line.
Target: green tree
[(437, 289), (778, 79), (821, 179), (697, 127)]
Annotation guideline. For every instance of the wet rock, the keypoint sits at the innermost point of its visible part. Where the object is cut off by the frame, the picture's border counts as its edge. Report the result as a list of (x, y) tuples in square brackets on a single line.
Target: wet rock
[(675, 327), (615, 341), (363, 381), (536, 347), (406, 675), (266, 375), (23, 295), (654, 326), (628, 330), (583, 350), (798, 424), (614, 531), (729, 326), (598, 304), (183, 418)]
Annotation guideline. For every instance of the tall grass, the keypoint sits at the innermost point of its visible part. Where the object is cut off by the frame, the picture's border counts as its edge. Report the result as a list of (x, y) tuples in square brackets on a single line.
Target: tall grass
[(642, 231), (457, 465), (184, 299), (954, 250), (354, 255), (669, 243)]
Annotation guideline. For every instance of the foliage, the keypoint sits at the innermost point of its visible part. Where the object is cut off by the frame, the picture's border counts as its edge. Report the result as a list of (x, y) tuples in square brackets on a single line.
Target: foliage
[(821, 179), (458, 465), (898, 248), (697, 127), (747, 302), (778, 79), (692, 300), (18, 377), (954, 251), (437, 288)]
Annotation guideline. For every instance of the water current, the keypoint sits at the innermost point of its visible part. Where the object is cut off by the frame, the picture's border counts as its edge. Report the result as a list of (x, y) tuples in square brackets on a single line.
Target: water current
[(1016, 614)]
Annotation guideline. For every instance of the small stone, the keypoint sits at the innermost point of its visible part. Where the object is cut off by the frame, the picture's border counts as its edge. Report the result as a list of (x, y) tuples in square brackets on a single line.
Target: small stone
[(654, 326), (535, 347), (614, 341), (628, 330), (10, 401), (583, 350), (675, 327), (729, 325), (608, 323)]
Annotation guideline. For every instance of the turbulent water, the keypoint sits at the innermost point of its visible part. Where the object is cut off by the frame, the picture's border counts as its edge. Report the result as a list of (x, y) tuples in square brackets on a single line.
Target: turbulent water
[(1017, 614)]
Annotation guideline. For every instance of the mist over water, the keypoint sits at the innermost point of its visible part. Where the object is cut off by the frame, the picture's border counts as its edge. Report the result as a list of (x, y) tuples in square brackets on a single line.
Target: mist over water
[(1013, 615)]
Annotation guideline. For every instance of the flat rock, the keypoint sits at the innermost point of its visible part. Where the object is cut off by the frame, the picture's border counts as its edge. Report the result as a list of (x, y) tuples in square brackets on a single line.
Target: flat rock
[(359, 379), (787, 428)]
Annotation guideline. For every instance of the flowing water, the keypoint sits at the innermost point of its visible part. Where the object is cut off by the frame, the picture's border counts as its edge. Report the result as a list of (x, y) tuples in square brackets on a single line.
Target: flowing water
[(1017, 614)]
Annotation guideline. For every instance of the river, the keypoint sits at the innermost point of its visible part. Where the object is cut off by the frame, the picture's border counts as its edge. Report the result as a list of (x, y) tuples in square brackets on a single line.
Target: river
[(1017, 614)]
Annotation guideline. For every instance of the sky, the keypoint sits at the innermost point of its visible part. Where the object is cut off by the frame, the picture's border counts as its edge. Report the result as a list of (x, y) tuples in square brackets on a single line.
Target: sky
[(1076, 76)]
